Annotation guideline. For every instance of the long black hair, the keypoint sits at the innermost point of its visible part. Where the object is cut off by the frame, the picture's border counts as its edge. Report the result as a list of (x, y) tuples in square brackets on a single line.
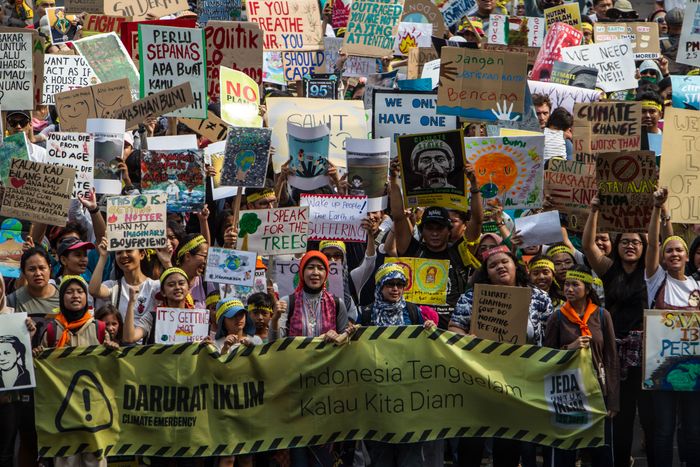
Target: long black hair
[(590, 291), (521, 277)]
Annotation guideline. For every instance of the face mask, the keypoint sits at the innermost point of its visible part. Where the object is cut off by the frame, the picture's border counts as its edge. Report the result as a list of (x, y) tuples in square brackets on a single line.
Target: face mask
[(650, 79)]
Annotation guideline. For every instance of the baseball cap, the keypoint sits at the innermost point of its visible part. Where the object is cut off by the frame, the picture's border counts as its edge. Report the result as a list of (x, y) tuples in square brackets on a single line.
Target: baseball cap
[(675, 16), (17, 114), (72, 244), (228, 308), (436, 215)]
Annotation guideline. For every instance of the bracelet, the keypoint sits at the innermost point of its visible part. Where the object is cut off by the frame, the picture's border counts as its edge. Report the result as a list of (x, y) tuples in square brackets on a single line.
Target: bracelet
[(474, 191), (94, 211)]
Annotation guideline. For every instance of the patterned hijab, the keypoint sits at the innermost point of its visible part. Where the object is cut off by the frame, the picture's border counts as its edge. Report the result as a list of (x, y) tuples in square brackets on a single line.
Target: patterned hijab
[(386, 313)]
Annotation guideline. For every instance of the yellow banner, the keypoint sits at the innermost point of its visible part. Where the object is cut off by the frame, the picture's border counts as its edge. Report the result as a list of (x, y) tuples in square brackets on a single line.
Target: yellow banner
[(394, 384)]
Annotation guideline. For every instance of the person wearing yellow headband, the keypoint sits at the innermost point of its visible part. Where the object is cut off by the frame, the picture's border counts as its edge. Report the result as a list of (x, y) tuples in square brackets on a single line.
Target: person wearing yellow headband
[(587, 29), (260, 306), (581, 323), (563, 258), (652, 110), (541, 272), (192, 258), (260, 198)]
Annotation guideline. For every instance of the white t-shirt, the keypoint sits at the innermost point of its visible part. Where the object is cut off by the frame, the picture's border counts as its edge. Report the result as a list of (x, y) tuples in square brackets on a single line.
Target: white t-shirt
[(144, 302), (677, 293)]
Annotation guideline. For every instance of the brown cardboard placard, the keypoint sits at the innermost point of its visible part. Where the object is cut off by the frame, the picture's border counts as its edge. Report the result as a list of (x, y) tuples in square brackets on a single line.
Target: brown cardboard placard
[(372, 27), (417, 58), (213, 128), (288, 24), (530, 51), (606, 127), (75, 107), (643, 36), (86, 6), (136, 9), (428, 10), (571, 186), (38, 192), (98, 24), (154, 105), (500, 313)]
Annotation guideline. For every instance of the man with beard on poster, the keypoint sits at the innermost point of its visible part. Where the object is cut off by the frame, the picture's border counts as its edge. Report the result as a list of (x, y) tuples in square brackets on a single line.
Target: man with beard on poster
[(434, 161)]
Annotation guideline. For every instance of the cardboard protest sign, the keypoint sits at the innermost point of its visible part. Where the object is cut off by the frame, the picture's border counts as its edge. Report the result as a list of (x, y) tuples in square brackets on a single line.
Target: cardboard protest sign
[(136, 222), (427, 279), (345, 119), (412, 35), (155, 105), (288, 24), (398, 113), (171, 56), (12, 238), (321, 86), (107, 57), (558, 36), (75, 150), (386, 81), (142, 9), (523, 31), (371, 27), (130, 32), (368, 168), (644, 37), (244, 163), (531, 52), (476, 83), (213, 128), (432, 169), (99, 24), (680, 165), (218, 10), (12, 147), (287, 277), (424, 11), (109, 146), (614, 61), (237, 45), (63, 73), (63, 27), (17, 370), (176, 325), (340, 13), (242, 292), (571, 186), (87, 6), (562, 95), (574, 75), (567, 13), (354, 66), (417, 58), (234, 267), (689, 42), (606, 127), (297, 64), (38, 192), (240, 99), (501, 313), (509, 168), (75, 107), (686, 92), (274, 231), (308, 156), (16, 75), (454, 10), (626, 184), (671, 349), (174, 165), (336, 217)]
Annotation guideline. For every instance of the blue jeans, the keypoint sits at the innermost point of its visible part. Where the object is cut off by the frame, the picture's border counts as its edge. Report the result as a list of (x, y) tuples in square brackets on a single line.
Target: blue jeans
[(666, 405)]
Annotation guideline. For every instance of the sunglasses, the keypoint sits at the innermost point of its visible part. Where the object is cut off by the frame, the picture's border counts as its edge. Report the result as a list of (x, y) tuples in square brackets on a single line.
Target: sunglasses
[(617, 14), (21, 121), (397, 284), (661, 20)]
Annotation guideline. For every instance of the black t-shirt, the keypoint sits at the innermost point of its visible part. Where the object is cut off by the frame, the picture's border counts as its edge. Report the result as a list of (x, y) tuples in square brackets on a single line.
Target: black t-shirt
[(625, 298), (456, 277)]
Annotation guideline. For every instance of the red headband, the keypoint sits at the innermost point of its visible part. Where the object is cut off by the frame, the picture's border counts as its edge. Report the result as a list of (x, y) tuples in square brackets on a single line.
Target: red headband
[(313, 254), (494, 251)]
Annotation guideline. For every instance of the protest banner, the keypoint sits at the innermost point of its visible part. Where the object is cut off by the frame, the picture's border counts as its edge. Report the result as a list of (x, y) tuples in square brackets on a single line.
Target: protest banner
[(340, 13), (75, 107), (563, 96), (574, 75), (345, 119), (9, 67), (174, 165), (680, 166), (63, 73), (273, 70), (543, 228), (218, 10), (335, 217), (154, 105), (296, 64), (130, 32), (397, 113), (286, 276), (686, 92), (17, 370), (454, 10), (476, 83), (614, 61), (62, 26), (427, 279), (236, 45), (99, 24), (417, 58), (177, 325), (109, 146), (12, 147), (508, 168), (424, 11), (432, 169), (411, 35), (571, 186), (108, 59), (626, 184), (244, 163), (213, 128), (441, 386), (567, 13), (274, 231), (234, 267), (386, 81), (368, 168), (242, 292), (136, 222), (689, 42), (531, 52), (501, 313), (308, 156), (86, 6), (606, 127), (371, 27), (143, 9), (12, 242), (522, 31), (38, 192), (321, 86), (287, 24), (240, 99), (644, 37), (558, 37), (75, 150), (354, 66), (671, 349), (171, 56), (16, 71)]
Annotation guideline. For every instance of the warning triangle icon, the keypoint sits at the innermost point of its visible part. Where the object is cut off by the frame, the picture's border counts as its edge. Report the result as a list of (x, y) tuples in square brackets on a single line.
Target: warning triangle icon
[(86, 406)]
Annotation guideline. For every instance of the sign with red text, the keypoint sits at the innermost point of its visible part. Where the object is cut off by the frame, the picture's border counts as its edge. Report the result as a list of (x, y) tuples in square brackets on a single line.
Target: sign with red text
[(274, 231), (64, 73), (98, 24), (129, 32), (288, 24), (643, 36), (136, 222), (240, 99), (336, 217), (571, 186), (176, 325), (558, 36), (606, 127)]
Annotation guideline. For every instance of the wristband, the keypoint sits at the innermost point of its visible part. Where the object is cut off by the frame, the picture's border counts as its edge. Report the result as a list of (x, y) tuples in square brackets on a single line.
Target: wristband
[(94, 211), (474, 191)]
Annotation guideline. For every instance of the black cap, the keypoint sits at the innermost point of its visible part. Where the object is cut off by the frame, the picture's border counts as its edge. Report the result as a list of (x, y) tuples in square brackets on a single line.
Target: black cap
[(436, 215)]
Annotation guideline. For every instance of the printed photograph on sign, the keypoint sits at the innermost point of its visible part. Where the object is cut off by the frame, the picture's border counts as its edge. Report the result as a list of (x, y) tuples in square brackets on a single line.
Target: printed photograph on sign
[(109, 146), (234, 267), (562, 95), (16, 364), (218, 10), (558, 36), (368, 170), (308, 156), (12, 147), (108, 58)]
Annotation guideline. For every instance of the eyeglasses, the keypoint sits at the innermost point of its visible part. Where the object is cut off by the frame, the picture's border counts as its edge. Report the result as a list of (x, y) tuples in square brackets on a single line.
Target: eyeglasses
[(626, 242), (201, 255), (661, 20), (560, 264), (20, 122), (395, 284)]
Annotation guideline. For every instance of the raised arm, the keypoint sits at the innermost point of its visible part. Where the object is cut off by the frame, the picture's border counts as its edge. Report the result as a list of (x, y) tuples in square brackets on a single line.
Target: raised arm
[(96, 288), (132, 333), (402, 226), (473, 230), (598, 261), (651, 262)]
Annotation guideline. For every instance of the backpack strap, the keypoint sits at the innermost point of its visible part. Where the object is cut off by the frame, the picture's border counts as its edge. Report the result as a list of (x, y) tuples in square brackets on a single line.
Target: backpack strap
[(413, 313), (290, 309), (101, 330), (366, 315), (51, 335)]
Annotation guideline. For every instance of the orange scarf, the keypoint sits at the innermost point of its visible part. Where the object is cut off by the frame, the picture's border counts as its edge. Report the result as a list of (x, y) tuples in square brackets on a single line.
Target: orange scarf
[(67, 327), (568, 311)]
